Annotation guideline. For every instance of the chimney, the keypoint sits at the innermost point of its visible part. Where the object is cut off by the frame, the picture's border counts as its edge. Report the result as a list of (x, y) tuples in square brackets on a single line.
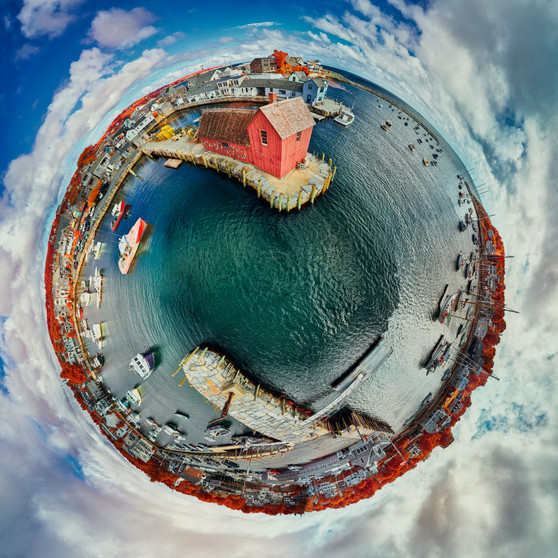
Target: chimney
[(272, 97)]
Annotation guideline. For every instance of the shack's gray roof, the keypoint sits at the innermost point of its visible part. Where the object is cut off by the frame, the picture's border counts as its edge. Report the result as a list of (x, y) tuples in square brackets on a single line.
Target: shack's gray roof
[(320, 82)]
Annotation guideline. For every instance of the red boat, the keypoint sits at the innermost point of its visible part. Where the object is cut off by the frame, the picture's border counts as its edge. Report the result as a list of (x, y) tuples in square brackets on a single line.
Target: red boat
[(118, 212)]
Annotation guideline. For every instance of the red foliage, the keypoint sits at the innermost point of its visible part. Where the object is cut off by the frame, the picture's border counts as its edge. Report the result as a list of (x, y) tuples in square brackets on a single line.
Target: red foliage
[(87, 156), (301, 69), (280, 58)]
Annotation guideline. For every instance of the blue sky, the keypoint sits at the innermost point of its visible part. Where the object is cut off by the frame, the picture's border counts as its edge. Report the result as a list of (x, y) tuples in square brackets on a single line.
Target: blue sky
[(484, 72)]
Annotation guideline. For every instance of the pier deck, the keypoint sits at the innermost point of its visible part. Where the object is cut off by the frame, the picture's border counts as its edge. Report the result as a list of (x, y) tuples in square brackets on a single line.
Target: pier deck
[(297, 188)]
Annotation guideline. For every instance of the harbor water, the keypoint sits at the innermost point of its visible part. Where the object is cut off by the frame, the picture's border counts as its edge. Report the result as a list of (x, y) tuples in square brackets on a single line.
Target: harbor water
[(295, 300)]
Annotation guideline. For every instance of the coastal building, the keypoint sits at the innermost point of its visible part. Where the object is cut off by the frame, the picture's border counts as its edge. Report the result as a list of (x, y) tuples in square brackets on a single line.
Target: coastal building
[(436, 422), (142, 449), (314, 91), (136, 132), (260, 65), (274, 138)]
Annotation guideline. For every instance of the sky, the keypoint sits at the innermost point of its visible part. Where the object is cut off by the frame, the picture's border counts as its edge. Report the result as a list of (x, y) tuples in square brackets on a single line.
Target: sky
[(484, 72)]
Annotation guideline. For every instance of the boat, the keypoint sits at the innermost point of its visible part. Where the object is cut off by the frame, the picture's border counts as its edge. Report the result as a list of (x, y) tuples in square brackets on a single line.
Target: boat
[(459, 261), (129, 244), (170, 429), (98, 335), (412, 147), (446, 308), (425, 162), (97, 250), (85, 298), (345, 118), (118, 212), (462, 226), (384, 127), (437, 356), (426, 400), (134, 397), (143, 364), (388, 122), (98, 286), (183, 415)]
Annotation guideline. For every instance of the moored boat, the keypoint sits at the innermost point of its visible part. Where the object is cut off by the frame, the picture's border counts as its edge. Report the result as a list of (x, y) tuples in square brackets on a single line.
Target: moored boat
[(412, 147), (97, 334), (129, 245), (134, 397), (345, 118), (143, 364), (425, 162), (384, 127), (118, 212), (446, 308)]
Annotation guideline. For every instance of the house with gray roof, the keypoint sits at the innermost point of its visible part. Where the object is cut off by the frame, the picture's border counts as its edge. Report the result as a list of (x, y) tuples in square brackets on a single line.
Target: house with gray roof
[(314, 91)]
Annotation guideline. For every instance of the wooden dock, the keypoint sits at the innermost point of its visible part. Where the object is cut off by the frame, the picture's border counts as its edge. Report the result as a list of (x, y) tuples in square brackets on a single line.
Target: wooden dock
[(297, 188)]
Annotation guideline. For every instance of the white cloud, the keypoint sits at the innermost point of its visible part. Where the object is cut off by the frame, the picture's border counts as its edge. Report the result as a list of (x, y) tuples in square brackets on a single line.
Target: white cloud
[(171, 39), (117, 28), (46, 17), (256, 25), (26, 51)]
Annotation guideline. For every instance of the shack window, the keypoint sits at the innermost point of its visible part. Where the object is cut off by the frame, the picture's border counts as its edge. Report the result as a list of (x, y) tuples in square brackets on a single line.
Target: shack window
[(264, 136), (298, 134), (225, 144)]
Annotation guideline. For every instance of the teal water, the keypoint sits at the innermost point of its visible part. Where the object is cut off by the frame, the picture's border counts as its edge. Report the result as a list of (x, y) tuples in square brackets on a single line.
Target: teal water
[(294, 299)]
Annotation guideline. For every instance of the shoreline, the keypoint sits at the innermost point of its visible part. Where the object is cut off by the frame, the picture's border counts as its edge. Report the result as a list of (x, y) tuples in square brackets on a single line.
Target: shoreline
[(387, 465)]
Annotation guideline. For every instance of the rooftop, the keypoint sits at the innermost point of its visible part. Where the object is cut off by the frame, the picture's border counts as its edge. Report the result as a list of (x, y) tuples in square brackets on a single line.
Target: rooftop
[(228, 125), (289, 116)]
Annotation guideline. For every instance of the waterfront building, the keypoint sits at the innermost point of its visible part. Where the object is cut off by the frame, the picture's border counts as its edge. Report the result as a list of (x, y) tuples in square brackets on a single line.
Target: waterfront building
[(314, 91), (436, 422), (260, 65), (328, 489), (142, 449), (274, 138), (102, 407)]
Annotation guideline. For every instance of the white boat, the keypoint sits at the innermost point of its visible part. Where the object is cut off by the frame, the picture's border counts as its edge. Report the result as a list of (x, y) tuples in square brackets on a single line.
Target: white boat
[(98, 335), (85, 298), (143, 364), (98, 286), (97, 250), (134, 397), (345, 118)]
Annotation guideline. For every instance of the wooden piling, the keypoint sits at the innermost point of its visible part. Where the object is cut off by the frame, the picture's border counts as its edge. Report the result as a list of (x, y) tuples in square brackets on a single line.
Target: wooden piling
[(333, 175), (244, 179), (330, 163), (204, 160), (323, 156), (259, 187), (299, 199), (313, 196)]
